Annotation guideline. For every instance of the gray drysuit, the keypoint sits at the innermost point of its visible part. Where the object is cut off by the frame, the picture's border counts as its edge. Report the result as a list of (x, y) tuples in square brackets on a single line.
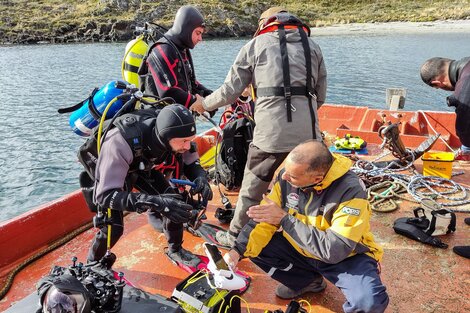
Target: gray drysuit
[(259, 62)]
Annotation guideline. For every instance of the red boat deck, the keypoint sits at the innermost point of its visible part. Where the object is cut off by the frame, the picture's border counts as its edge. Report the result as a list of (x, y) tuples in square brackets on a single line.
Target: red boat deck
[(418, 278)]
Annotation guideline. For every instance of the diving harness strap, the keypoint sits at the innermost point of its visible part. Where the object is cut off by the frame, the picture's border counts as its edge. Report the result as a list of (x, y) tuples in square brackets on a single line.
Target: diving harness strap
[(310, 92), (79, 105), (285, 71), (288, 91)]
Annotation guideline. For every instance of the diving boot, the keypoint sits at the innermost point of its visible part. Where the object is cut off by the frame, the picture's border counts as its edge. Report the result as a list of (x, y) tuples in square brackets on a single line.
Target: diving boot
[(463, 251), (183, 257), (225, 238)]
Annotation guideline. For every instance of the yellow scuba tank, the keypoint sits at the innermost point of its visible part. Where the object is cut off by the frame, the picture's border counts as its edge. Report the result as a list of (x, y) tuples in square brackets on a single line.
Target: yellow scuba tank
[(136, 50), (350, 143)]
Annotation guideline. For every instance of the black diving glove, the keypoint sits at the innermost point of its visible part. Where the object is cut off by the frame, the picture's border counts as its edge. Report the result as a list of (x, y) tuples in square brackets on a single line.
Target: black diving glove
[(203, 187), (168, 205)]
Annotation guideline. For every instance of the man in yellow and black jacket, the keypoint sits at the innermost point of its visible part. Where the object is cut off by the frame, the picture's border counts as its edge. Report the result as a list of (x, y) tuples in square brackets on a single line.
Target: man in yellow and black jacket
[(313, 225)]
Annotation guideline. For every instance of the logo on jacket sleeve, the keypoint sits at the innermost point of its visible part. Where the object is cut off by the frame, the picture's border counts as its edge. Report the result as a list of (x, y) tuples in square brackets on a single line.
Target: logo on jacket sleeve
[(292, 201), (350, 211)]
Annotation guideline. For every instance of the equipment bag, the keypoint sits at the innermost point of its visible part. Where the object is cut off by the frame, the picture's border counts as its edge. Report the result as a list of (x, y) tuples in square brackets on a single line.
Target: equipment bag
[(441, 222), (232, 150), (413, 229)]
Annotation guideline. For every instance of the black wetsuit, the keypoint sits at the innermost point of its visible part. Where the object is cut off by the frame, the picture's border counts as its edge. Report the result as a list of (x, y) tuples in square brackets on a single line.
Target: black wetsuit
[(459, 74)]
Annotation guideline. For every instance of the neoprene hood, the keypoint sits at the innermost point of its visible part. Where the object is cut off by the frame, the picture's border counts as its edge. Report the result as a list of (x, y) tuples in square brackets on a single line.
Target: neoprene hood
[(174, 121), (187, 19)]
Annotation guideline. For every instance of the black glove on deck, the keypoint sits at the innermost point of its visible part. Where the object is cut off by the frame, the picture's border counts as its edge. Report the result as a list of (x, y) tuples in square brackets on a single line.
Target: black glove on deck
[(203, 187)]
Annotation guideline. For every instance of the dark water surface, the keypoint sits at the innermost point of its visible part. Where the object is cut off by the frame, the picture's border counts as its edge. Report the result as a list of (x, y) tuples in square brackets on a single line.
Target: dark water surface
[(37, 147)]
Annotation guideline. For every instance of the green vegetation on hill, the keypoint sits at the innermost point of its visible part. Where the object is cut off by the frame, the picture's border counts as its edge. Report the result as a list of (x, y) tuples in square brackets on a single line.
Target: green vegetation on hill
[(79, 20)]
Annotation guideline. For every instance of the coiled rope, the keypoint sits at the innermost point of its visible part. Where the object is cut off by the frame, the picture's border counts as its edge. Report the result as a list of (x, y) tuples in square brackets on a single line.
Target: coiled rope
[(444, 191)]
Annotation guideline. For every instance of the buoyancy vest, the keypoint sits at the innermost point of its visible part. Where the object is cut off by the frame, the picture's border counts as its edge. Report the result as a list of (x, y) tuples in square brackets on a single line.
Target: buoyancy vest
[(137, 129), (281, 22)]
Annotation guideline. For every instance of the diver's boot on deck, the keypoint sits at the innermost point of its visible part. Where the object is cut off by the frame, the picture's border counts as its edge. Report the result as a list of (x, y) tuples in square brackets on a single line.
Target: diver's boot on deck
[(463, 251), (225, 238), (285, 292), (184, 257)]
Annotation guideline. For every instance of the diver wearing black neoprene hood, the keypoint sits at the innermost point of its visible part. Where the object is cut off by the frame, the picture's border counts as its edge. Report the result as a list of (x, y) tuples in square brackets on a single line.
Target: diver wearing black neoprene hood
[(140, 140), (168, 70), (186, 20), (174, 122)]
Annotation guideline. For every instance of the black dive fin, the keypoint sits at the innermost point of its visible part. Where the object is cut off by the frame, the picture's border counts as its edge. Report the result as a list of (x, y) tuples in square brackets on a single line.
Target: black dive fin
[(207, 232)]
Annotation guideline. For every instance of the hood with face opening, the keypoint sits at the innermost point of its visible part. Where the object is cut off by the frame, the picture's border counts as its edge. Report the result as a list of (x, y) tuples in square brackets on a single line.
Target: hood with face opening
[(174, 121), (187, 19)]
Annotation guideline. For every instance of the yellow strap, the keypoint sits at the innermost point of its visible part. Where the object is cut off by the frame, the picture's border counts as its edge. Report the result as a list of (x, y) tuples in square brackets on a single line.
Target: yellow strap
[(100, 127), (98, 146), (108, 243)]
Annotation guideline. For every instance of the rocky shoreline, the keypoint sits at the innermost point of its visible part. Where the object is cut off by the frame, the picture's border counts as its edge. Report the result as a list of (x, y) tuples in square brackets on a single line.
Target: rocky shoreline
[(121, 31)]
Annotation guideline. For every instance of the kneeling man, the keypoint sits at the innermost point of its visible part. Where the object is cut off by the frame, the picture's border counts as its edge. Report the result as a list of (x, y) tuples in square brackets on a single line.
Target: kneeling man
[(314, 225)]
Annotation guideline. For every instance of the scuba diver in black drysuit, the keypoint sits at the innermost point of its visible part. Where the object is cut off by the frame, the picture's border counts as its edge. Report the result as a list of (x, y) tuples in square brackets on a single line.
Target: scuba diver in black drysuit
[(139, 141)]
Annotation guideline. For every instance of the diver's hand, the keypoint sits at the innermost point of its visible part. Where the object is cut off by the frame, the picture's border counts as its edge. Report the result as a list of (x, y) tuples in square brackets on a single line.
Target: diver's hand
[(203, 187), (197, 105)]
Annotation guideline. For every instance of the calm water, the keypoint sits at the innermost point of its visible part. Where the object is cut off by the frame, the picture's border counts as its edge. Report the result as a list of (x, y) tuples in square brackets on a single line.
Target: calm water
[(37, 148)]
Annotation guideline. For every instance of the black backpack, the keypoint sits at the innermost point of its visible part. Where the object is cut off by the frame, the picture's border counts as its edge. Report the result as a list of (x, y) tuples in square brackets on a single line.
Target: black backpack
[(232, 150)]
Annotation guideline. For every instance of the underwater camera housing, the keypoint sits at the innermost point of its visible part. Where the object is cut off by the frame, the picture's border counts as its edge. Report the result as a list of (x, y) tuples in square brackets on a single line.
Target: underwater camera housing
[(104, 290)]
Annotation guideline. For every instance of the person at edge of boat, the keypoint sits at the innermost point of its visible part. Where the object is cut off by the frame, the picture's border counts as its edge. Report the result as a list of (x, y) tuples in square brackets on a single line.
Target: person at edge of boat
[(123, 166), (274, 61), (315, 224), (453, 75), (170, 70)]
